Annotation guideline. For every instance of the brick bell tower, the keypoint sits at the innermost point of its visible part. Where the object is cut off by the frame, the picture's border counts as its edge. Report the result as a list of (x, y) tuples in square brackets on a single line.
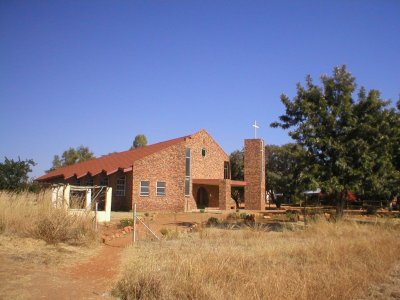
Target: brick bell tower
[(254, 174)]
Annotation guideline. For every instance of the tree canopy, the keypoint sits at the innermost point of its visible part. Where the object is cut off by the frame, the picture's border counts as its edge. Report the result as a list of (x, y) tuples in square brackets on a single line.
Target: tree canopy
[(237, 165), (353, 143), (139, 141), (14, 174), (72, 156), (288, 170)]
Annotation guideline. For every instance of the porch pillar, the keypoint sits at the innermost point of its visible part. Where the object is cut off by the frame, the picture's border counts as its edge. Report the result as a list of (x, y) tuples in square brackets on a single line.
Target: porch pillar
[(224, 194)]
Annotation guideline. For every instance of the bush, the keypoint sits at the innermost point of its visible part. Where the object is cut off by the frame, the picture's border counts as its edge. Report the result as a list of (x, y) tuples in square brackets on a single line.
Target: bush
[(292, 216), (233, 216), (125, 222), (213, 221), (145, 286), (371, 210), (169, 234)]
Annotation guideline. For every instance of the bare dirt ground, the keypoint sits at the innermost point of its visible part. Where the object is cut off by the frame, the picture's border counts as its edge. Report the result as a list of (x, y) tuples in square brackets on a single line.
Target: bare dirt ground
[(55, 272), (31, 269)]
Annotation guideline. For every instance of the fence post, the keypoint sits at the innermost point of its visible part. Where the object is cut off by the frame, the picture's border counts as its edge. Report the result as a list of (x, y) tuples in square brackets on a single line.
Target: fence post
[(134, 223)]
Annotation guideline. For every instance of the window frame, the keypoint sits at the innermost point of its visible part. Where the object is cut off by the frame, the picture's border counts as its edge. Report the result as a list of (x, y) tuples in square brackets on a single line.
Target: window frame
[(120, 192), (141, 194), (164, 187), (188, 171), (227, 170)]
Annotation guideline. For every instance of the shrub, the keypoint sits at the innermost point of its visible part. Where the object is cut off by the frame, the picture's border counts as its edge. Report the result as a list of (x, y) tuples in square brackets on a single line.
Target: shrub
[(371, 210), (145, 286), (213, 221), (247, 217), (164, 231), (169, 234), (125, 222), (233, 216), (292, 216)]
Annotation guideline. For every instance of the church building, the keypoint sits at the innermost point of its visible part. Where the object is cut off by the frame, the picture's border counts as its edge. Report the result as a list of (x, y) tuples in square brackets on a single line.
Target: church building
[(181, 174)]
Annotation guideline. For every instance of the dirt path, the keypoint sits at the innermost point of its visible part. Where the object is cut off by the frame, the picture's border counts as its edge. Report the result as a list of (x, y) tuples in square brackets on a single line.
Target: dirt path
[(89, 278)]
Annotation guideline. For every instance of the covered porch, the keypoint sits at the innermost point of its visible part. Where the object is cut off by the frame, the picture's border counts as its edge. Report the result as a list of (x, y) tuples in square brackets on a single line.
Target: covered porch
[(215, 193)]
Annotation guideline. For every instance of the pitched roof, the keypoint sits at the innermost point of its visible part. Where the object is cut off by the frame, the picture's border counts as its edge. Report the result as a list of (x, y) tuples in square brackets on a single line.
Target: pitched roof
[(110, 163)]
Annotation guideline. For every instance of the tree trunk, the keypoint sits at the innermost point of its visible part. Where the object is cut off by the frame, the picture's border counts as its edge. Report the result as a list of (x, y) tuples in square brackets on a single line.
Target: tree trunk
[(340, 204)]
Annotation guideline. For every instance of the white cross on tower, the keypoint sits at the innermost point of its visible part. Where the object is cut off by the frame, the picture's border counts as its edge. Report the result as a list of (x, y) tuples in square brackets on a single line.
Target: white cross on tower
[(255, 129)]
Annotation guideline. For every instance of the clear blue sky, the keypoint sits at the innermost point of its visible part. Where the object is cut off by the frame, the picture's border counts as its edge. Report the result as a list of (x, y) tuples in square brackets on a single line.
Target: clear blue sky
[(99, 72)]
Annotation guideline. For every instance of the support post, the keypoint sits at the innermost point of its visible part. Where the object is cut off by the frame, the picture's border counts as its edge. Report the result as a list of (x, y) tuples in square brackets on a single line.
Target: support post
[(95, 214), (89, 199)]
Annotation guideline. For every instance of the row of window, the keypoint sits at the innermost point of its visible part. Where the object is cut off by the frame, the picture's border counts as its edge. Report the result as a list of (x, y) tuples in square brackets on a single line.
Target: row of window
[(145, 188)]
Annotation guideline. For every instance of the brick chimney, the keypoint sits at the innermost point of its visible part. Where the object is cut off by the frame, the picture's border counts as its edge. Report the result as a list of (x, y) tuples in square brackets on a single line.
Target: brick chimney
[(254, 174)]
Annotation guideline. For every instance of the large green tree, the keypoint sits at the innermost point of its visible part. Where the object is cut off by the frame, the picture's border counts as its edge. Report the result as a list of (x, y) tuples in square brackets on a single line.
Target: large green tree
[(139, 141), (351, 141), (72, 156), (14, 174)]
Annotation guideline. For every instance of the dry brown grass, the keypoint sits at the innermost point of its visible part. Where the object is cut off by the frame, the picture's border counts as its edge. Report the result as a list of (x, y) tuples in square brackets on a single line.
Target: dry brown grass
[(33, 215), (324, 261)]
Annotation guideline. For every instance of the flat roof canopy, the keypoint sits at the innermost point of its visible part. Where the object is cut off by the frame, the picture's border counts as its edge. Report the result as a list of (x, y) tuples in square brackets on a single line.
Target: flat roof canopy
[(217, 181)]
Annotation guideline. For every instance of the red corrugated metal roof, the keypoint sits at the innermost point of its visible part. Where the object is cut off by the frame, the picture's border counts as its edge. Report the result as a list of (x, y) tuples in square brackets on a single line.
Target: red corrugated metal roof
[(109, 163)]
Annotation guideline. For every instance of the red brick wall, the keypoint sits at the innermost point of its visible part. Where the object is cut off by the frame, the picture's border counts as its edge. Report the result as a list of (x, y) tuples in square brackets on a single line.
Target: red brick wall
[(211, 166), (168, 166), (254, 174)]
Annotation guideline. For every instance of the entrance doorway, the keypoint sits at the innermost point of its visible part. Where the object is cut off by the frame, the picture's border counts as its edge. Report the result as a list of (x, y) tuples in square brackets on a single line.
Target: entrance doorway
[(202, 197)]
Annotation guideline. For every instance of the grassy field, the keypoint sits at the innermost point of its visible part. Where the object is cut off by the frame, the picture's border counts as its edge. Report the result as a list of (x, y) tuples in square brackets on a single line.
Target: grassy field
[(334, 260), (33, 216), (324, 261)]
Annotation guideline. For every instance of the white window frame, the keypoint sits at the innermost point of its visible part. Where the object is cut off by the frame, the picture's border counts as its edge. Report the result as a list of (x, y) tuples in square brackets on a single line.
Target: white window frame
[(118, 191), (141, 194), (188, 155), (164, 187)]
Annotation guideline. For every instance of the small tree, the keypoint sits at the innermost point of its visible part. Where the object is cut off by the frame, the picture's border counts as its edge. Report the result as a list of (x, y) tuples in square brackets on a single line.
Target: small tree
[(139, 141), (71, 156), (14, 174), (237, 165)]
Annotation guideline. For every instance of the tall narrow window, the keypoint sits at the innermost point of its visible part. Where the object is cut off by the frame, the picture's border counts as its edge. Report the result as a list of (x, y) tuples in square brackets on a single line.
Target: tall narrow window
[(89, 181), (160, 188), (226, 170), (104, 181), (120, 190), (144, 188), (187, 171)]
